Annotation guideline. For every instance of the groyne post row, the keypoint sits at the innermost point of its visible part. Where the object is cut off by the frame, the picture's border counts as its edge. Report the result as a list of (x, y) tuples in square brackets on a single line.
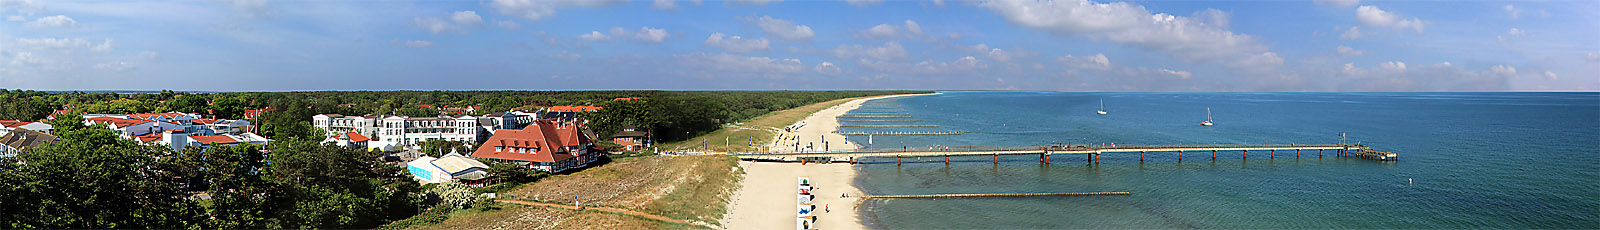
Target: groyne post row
[(903, 133), (1091, 154)]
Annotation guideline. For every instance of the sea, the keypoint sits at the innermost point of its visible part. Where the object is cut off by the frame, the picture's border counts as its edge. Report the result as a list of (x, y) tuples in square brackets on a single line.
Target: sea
[(1466, 160)]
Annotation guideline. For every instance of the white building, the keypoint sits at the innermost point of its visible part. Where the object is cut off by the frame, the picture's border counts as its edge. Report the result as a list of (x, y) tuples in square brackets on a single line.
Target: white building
[(396, 132)]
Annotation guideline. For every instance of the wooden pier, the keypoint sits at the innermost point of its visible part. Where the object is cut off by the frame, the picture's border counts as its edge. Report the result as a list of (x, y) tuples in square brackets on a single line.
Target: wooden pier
[(1090, 153), (880, 120), (887, 126), (902, 133), (997, 195)]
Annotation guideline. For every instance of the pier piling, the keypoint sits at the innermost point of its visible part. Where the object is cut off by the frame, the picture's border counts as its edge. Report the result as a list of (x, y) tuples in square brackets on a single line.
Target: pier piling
[(1180, 155)]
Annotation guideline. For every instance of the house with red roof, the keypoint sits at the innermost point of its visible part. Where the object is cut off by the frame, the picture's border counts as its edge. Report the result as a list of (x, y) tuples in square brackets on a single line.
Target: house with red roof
[(253, 113), (349, 139), (547, 145), (132, 127)]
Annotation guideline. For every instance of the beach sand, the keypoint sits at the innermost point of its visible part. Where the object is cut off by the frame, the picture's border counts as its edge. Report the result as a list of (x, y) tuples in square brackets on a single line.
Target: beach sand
[(767, 198), (767, 195)]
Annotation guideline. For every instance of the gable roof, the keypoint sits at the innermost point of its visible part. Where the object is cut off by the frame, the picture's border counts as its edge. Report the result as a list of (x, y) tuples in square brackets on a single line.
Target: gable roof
[(214, 139), (206, 121), (116, 122), (353, 136), (153, 116), (539, 142), (23, 138)]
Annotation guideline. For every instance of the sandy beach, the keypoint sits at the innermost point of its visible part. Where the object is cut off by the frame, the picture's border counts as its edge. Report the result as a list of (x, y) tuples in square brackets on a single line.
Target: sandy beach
[(767, 198), (817, 132), (767, 195)]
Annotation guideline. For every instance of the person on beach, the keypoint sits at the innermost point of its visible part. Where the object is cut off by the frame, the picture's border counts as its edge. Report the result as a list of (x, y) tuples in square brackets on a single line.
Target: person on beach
[(826, 208)]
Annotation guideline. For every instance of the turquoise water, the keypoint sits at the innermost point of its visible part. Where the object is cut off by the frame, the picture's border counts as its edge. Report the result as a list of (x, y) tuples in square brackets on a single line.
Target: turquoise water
[(1473, 160)]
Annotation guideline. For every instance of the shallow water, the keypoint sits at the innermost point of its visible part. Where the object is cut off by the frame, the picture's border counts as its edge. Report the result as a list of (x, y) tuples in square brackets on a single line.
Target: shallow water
[(1467, 160)]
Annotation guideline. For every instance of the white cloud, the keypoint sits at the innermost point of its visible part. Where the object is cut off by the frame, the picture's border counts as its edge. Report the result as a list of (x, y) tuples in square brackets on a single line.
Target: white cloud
[(1347, 51), (725, 64), (1550, 75), (644, 34), (595, 36), (1185, 38), (664, 4), (103, 47), (254, 8), (1397, 76), (28, 7), (1374, 16), (881, 31), (1096, 62), (784, 29), (418, 44), (911, 26), (955, 36), (1513, 11), (16, 18), (889, 51), (1512, 35), (1214, 17), (1338, 3), (457, 22), (52, 43), (466, 18), (510, 25), (964, 65), (435, 25), (863, 3), (539, 9), (1594, 57), (53, 21), (116, 66), (828, 68), (998, 55), (1352, 34), (26, 59), (736, 44)]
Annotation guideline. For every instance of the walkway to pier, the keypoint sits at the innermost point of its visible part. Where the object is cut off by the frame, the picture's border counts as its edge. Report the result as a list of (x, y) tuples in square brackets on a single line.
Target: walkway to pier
[(1091, 153)]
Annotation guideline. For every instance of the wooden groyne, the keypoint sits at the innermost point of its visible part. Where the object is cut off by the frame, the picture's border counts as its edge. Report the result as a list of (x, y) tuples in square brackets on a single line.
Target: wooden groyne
[(904, 133), (888, 126), (997, 195), (864, 116), (880, 120)]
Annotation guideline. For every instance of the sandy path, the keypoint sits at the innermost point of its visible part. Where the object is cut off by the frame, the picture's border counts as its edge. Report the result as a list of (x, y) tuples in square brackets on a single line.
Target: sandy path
[(767, 200)]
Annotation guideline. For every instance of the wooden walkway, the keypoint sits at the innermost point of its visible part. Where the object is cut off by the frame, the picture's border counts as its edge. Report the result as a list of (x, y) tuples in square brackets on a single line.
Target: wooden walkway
[(887, 126), (880, 120), (873, 116), (1092, 153), (902, 133)]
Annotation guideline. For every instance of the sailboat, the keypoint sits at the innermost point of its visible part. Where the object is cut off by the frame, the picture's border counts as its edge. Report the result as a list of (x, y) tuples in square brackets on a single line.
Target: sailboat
[(1102, 107), (1208, 118)]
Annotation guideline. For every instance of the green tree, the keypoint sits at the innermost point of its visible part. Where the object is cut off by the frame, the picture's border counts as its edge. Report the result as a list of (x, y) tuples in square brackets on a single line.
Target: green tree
[(229, 107), (416, 111), (187, 103), (92, 178), (119, 106)]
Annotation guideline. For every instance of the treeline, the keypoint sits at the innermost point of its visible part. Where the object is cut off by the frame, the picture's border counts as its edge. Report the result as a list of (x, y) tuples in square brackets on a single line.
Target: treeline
[(92, 178), (671, 115)]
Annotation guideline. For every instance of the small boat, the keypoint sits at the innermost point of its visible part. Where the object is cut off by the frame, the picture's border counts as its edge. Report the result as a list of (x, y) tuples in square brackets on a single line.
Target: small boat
[(1102, 107), (1208, 118)]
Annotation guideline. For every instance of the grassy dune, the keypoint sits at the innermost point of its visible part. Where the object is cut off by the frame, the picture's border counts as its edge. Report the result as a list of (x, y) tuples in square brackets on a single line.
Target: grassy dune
[(693, 188), (759, 129)]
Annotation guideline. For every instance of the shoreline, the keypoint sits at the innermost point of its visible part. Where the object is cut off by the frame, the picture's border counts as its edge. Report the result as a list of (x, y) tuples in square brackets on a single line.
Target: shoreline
[(765, 198)]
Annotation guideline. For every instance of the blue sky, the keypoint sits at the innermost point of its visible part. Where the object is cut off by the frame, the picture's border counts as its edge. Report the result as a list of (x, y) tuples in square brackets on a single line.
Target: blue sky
[(1334, 45)]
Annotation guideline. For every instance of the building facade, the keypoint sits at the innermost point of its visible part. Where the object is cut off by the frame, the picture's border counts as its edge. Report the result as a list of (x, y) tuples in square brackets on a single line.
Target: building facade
[(394, 132), (547, 145)]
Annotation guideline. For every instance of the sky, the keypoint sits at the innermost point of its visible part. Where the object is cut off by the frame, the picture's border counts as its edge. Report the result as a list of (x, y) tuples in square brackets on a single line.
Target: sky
[(1063, 45)]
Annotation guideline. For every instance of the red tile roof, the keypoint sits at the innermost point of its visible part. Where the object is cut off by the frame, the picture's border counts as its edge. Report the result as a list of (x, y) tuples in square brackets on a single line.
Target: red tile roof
[(116, 122), (153, 116), (357, 137), (574, 108), (538, 142), (206, 121), (13, 123), (214, 139), (150, 137)]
